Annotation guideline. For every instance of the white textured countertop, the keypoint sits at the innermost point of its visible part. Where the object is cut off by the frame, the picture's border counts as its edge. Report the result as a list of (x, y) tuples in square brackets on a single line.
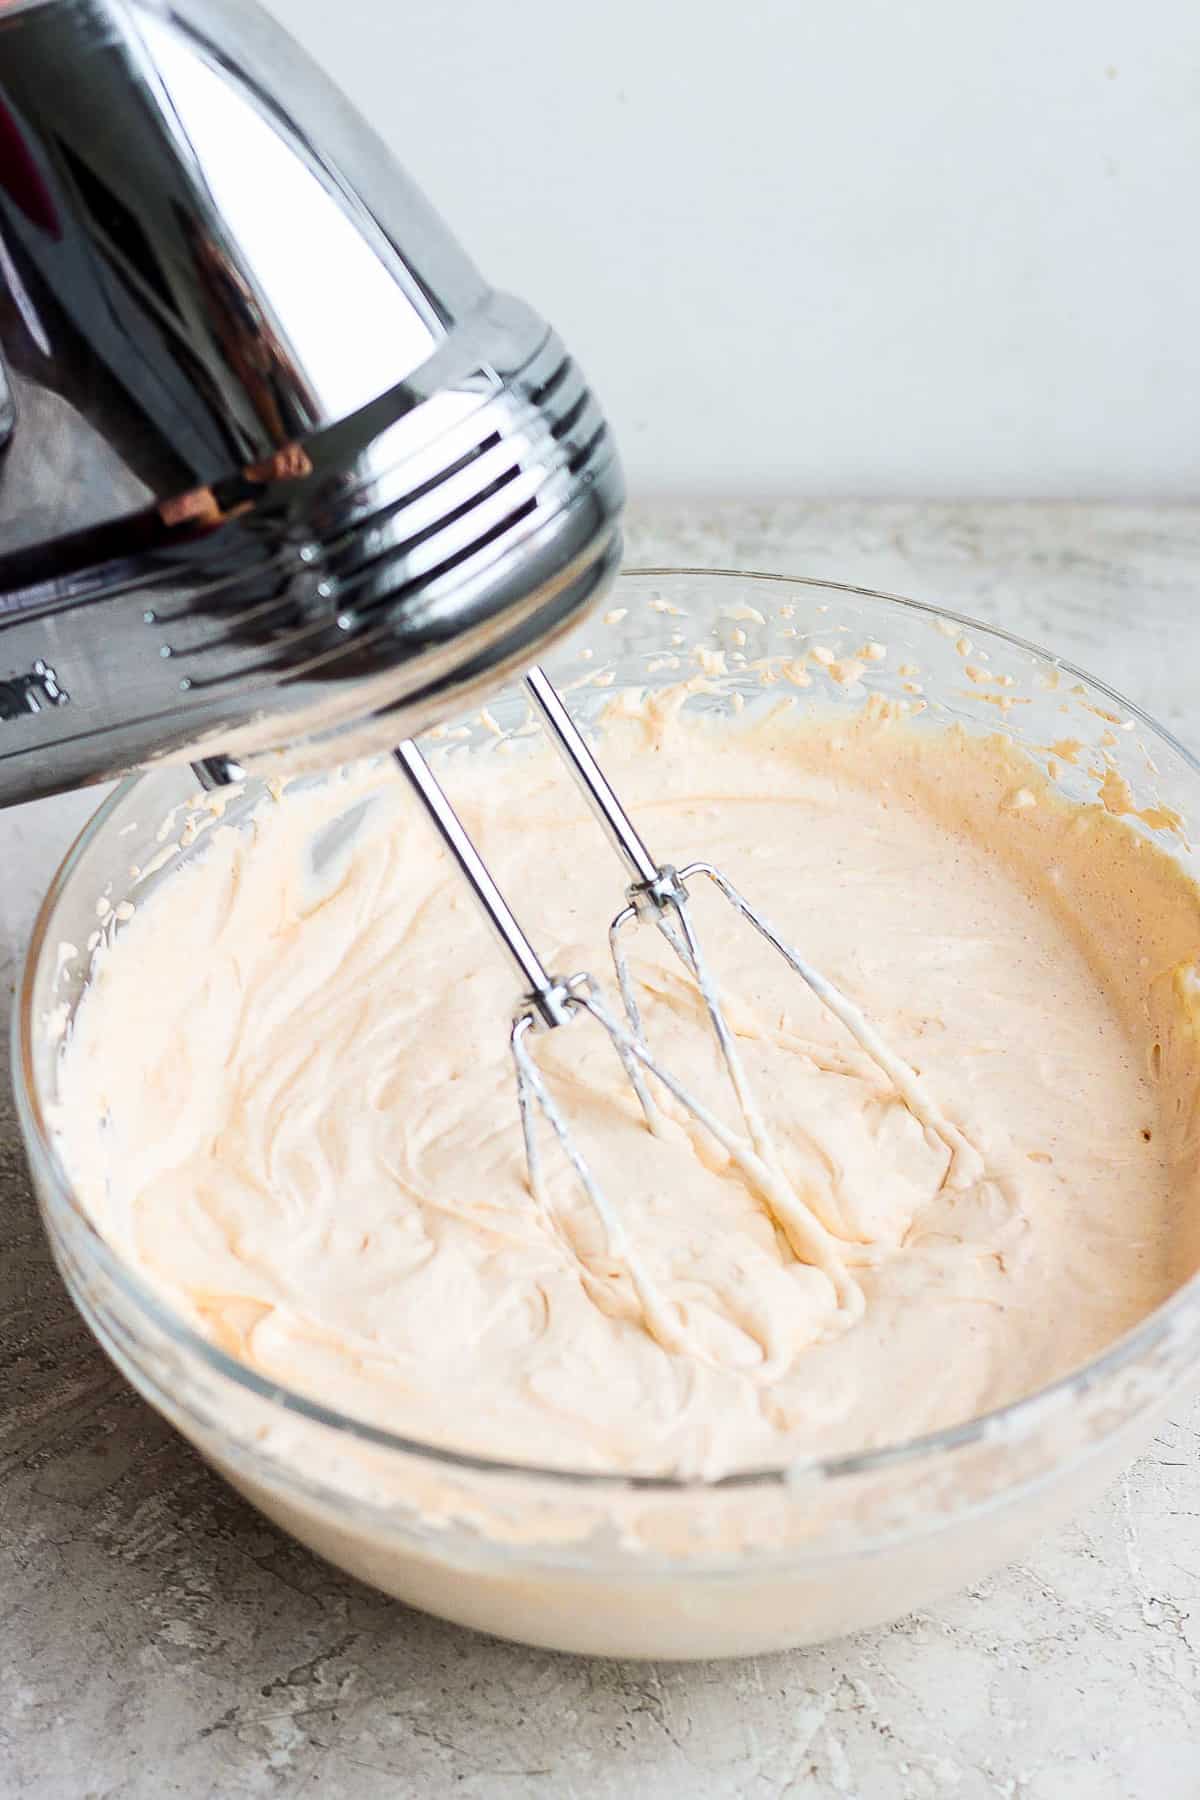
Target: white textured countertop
[(158, 1638)]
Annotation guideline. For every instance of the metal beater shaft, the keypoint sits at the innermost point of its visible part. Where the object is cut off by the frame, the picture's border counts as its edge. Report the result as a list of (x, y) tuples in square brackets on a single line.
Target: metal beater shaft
[(548, 997), (656, 890), (615, 822), (660, 891), (549, 1002)]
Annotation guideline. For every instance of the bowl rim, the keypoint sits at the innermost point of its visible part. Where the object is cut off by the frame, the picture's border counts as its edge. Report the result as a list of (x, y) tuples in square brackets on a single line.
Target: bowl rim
[(1009, 1422)]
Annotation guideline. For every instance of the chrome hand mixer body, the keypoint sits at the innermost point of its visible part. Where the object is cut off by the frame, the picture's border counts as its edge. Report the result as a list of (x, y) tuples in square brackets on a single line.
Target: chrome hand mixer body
[(281, 475)]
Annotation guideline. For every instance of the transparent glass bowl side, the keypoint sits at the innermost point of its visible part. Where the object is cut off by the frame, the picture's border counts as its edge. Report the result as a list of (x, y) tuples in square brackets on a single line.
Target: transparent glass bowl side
[(330, 1478)]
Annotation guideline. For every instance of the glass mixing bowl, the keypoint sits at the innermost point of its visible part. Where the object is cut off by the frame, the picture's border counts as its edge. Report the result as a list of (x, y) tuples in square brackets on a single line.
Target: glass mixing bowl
[(587, 1562)]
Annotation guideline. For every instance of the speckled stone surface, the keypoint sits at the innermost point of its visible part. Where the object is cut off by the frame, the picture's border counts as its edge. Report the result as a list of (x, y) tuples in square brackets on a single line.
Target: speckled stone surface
[(159, 1639)]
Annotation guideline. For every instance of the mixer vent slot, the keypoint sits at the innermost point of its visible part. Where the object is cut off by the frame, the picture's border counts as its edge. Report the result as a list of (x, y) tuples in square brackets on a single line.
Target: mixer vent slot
[(584, 454), (435, 481), (571, 417), (448, 564), (440, 523), (526, 509), (552, 383)]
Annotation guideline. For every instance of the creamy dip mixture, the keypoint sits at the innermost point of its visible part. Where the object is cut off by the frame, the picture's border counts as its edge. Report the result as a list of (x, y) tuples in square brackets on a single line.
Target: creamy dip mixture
[(287, 1098)]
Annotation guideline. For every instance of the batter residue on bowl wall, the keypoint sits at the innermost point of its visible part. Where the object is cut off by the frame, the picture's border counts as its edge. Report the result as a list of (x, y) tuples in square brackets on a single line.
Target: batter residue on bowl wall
[(287, 1098)]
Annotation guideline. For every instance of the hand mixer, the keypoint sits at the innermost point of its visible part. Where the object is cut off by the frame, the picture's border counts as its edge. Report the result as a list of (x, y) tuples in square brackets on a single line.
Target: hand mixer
[(281, 474)]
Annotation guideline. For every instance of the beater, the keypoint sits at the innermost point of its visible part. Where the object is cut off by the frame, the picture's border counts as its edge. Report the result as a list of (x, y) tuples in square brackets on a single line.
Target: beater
[(658, 893), (549, 1002)]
